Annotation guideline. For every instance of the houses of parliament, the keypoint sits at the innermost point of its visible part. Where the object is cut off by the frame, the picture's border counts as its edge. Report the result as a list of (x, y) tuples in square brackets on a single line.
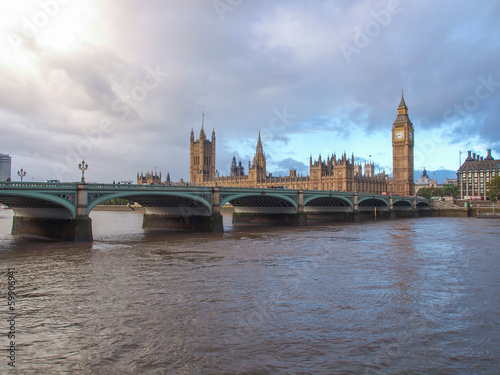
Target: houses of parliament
[(336, 173)]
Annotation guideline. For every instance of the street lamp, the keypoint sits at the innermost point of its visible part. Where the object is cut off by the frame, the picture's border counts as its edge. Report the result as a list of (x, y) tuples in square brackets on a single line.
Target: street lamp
[(83, 167), (21, 174), (216, 176)]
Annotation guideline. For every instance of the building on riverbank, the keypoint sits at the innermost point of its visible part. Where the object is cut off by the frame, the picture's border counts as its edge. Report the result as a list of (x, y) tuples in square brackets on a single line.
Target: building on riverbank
[(5, 167), (475, 173), (336, 173)]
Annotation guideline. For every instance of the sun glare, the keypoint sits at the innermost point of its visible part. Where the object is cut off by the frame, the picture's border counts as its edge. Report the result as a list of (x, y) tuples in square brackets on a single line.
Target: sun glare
[(55, 25)]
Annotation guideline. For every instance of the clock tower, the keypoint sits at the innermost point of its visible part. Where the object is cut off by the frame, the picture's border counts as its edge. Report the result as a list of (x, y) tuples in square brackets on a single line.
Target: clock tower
[(402, 152)]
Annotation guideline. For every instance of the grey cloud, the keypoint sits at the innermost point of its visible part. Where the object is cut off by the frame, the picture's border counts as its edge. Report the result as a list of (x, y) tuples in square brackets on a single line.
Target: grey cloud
[(261, 57)]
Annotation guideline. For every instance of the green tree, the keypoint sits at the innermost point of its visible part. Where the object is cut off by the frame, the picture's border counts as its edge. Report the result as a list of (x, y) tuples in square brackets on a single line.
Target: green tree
[(428, 192), (450, 191), (494, 188)]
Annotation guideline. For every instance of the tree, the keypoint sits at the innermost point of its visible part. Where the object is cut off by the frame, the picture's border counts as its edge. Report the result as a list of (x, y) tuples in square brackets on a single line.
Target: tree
[(450, 191), (494, 188), (428, 192)]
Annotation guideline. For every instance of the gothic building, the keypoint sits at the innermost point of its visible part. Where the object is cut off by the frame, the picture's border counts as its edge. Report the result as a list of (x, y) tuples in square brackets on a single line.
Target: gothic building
[(149, 178), (237, 170), (402, 152), (202, 159), (333, 173)]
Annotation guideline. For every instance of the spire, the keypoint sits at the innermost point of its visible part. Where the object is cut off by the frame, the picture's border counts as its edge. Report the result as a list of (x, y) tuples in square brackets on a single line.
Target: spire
[(202, 131), (259, 145), (402, 110), (402, 104)]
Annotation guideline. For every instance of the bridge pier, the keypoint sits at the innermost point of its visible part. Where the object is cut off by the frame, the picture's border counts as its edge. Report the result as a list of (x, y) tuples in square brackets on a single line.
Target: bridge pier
[(271, 219), (193, 223), (77, 230)]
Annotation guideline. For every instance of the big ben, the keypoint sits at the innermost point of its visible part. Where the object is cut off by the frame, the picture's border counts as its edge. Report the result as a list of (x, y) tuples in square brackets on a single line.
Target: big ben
[(402, 152)]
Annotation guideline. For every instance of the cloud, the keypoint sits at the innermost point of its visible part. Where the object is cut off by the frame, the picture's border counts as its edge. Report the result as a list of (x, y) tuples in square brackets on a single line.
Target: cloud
[(277, 67)]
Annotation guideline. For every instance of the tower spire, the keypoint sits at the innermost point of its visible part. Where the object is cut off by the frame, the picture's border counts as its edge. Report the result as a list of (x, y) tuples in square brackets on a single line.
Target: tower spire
[(402, 104), (202, 130), (259, 145)]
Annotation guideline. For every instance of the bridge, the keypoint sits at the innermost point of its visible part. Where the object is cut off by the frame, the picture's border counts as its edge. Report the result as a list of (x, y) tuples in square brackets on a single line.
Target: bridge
[(61, 210)]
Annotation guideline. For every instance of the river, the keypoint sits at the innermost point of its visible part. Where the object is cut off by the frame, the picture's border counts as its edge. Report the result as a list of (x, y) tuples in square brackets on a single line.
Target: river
[(411, 296)]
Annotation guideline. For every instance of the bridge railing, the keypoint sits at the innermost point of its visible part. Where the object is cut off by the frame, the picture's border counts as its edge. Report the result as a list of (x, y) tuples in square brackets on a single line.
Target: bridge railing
[(93, 186), (38, 185), (121, 187)]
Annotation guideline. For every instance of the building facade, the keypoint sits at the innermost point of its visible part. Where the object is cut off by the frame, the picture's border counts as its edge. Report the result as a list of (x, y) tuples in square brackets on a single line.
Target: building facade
[(150, 178), (474, 174), (333, 173), (402, 152), (5, 167), (202, 159), (336, 174), (424, 181)]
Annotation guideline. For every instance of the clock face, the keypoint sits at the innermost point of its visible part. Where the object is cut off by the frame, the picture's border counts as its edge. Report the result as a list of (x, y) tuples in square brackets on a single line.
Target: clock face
[(399, 135)]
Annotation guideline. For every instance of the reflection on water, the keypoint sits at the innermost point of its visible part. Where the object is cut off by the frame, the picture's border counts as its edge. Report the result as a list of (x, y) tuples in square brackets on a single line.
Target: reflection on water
[(406, 296)]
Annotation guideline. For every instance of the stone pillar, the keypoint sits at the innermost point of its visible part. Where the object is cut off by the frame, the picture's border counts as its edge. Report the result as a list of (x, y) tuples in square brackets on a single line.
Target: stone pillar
[(216, 224), (82, 200), (302, 216), (77, 230), (83, 229), (391, 208), (355, 214), (192, 223), (268, 219), (300, 201), (82, 224)]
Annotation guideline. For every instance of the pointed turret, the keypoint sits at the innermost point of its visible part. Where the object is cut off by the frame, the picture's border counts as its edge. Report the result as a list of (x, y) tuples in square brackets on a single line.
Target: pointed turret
[(202, 134), (402, 104), (259, 148), (402, 109)]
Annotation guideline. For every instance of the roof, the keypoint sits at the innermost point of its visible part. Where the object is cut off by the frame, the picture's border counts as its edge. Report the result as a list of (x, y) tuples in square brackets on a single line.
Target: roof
[(475, 162)]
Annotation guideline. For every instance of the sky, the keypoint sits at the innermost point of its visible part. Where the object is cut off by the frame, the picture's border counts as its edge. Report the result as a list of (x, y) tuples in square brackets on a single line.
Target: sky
[(121, 83)]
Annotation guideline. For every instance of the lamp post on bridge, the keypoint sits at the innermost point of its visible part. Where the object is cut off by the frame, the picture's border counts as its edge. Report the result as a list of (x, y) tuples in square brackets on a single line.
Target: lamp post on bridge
[(83, 167), (21, 174)]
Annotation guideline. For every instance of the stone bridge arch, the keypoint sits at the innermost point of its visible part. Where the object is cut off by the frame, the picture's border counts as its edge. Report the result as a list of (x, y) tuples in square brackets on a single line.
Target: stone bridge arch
[(329, 203), (261, 202), (159, 202), (61, 205), (402, 205), (369, 204), (425, 206)]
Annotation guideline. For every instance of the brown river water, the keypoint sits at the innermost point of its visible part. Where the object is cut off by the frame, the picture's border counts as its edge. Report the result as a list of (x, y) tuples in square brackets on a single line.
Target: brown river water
[(412, 296)]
